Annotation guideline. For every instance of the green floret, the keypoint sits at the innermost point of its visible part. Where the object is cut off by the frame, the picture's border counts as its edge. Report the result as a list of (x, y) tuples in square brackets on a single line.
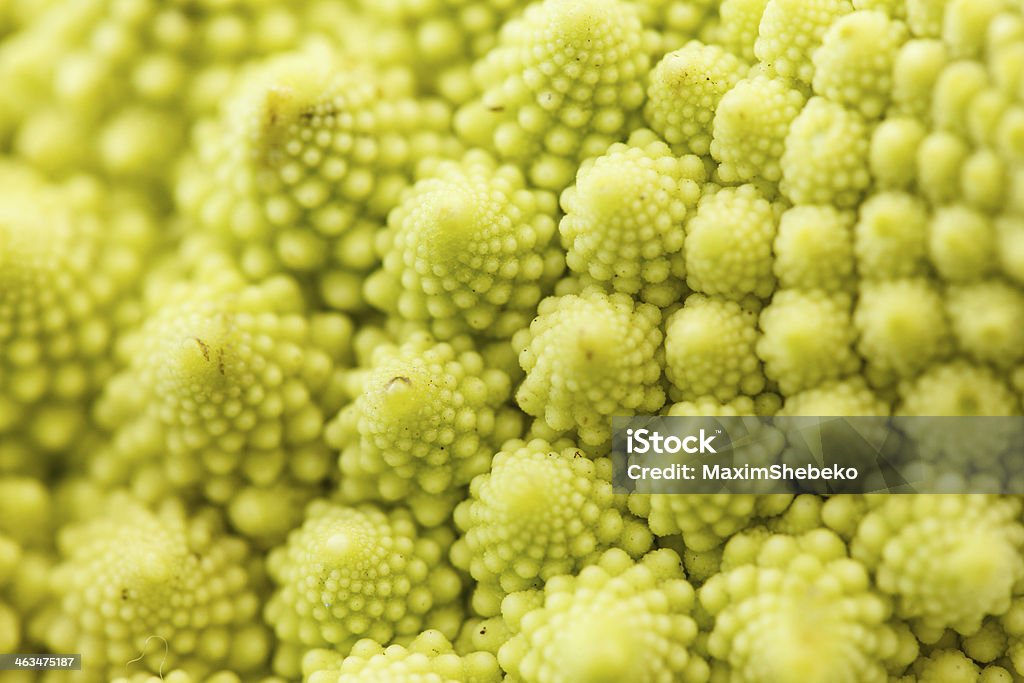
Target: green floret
[(738, 22), (709, 350), (623, 220), (470, 248), (356, 572), (988, 321), (710, 406), (902, 327), (427, 418), (705, 520), (826, 157), (750, 128), (684, 91), (113, 86), (310, 150), (790, 31), (588, 357), (891, 237), (915, 71), (940, 160), (839, 398), (814, 249), (226, 386), (955, 90), (71, 259), (801, 611), (853, 66), (429, 658), (1010, 246), (565, 81), (949, 561), (26, 536), (132, 574), (544, 509), (958, 388), (807, 339), (729, 244), (893, 155), (962, 243), (676, 21), (617, 620)]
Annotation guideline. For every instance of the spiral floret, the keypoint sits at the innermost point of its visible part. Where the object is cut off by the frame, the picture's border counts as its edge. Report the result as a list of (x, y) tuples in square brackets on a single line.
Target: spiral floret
[(791, 30), (469, 248), (902, 327), (639, 611), (429, 658), (310, 149), (891, 237), (709, 350), (750, 128), (987, 319), (226, 387), (624, 218), (685, 89), (801, 611), (71, 259), (807, 339), (564, 82), (427, 418), (738, 22), (854, 64), (826, 157), (948, 561), (814, 249), (544, 509), (588, 357), (729, 244), (132, 574), (350, 573)]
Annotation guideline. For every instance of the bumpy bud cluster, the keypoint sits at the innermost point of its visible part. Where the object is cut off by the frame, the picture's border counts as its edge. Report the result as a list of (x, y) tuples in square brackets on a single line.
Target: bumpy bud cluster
[(807, 339), (800, 611), (705, 520), (949, 561), (226, 386), (624, 217), (26, 515), (588, 357), (639, 612), (791, 30), (750, 128), (356, 572), (826, 157), (566, 80), (427, 419), (470, 248), (729, 244), (112, 85), (709, 350), (543, 510), (429, 658), (311, 148), (685, 89), (71, 258), (132, 574)]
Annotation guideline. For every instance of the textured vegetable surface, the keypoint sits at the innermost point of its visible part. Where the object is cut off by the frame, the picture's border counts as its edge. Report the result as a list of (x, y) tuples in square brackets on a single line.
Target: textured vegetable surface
[(314, 315)]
